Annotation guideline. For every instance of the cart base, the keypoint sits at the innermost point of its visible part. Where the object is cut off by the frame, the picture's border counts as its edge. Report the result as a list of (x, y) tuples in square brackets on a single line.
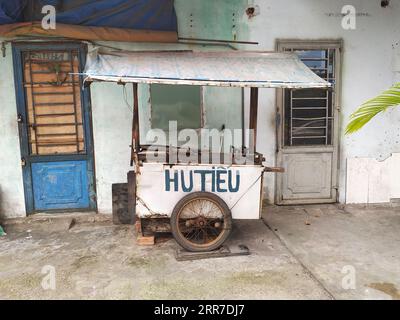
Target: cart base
[(223, 252)]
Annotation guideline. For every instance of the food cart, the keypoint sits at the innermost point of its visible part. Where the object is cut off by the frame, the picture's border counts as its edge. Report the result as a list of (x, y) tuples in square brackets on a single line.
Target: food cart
[(197, 199)]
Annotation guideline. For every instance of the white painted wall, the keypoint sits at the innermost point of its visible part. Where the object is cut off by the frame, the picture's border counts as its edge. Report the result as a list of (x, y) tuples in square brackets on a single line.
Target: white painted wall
[(369, 67), (112, 127), (373, 181), (371, 63)]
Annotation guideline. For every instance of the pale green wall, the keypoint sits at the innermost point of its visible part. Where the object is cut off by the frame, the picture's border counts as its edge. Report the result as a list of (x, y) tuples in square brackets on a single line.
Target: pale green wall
[(212, 19), (223, 107)]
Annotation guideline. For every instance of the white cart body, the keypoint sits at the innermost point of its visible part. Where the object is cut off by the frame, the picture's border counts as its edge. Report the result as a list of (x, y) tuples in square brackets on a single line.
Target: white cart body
[(160, 187)]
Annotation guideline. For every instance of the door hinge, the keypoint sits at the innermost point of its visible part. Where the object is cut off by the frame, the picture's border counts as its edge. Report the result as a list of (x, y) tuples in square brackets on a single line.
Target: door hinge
[(20, 119), (278, 120), (23, 162), (3, 49)]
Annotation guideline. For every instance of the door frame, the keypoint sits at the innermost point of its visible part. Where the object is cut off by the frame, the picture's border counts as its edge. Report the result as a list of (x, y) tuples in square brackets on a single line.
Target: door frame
[(17, 49), (334, 149)]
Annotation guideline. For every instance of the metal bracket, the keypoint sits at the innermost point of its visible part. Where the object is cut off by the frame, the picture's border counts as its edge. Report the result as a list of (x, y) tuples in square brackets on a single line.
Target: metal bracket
[(3, 49), (274, 169)]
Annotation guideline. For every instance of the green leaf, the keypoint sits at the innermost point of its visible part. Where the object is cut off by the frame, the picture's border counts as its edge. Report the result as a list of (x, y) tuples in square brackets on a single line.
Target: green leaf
[(369, 109), (2, 233)]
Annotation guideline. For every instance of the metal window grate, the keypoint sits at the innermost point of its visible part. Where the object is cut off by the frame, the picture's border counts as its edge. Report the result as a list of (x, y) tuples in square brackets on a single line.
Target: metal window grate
[(53, 102), (309, 112)]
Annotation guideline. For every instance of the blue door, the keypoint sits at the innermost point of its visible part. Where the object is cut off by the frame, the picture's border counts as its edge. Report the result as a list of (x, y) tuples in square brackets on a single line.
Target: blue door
[(54, 122)]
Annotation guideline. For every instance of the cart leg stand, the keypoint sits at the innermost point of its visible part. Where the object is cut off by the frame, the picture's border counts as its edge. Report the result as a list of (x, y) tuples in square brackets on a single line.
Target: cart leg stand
[(141, 239)]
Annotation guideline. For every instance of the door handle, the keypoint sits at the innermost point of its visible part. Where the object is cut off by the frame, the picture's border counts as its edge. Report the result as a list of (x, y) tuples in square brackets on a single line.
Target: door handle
[(274, 169)]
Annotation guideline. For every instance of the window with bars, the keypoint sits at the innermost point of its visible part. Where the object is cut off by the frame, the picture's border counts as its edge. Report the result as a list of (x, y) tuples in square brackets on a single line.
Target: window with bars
[(53, 102), (308, 113)]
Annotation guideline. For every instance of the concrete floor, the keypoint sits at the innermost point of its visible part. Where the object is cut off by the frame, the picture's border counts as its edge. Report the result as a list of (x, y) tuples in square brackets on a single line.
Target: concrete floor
[(297, 253), (333, 243)]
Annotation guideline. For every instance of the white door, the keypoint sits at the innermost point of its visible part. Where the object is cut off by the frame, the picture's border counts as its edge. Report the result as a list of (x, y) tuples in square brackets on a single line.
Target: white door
[(307, 128)]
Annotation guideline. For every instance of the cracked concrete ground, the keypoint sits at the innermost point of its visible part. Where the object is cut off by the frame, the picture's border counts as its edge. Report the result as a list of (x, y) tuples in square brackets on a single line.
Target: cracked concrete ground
[(334, 243), (297, 253)]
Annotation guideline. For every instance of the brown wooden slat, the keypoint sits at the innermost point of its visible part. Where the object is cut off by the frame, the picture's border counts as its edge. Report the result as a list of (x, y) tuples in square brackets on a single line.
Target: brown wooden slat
[(54, 111)]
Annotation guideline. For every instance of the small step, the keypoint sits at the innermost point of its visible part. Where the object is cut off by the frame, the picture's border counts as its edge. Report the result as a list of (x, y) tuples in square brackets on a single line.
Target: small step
[(145, 240)]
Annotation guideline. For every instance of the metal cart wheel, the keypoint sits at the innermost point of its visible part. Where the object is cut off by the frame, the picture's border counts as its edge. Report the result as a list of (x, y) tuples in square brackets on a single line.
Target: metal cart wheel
[(201, 221)]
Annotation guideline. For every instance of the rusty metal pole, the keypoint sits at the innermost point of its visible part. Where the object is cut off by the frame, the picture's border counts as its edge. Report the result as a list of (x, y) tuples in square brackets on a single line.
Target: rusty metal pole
[(253, 117), (135, 125)]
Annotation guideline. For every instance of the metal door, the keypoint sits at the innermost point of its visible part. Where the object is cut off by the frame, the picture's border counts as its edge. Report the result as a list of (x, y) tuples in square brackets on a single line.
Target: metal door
[(307, 129), (54, 122)]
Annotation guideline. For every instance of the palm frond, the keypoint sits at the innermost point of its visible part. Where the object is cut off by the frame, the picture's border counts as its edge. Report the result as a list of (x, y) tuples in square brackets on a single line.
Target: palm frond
[(372, 107)]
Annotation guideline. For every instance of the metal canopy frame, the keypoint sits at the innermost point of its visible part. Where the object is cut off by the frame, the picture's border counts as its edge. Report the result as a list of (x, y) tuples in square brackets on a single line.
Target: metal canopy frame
[(137, 147), (288, 72)]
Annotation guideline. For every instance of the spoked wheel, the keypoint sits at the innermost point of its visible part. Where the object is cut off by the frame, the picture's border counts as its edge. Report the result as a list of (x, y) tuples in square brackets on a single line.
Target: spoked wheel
[(201, 221)]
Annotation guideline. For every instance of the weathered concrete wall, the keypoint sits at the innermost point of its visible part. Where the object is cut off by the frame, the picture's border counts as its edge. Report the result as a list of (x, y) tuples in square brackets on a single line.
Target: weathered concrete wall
[(12, 203), (112, 116), (112, 136), (210, 19), (369, 66), (373, 181)]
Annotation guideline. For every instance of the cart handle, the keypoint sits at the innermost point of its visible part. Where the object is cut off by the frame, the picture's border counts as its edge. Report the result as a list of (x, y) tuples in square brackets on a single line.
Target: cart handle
[(274, 169)]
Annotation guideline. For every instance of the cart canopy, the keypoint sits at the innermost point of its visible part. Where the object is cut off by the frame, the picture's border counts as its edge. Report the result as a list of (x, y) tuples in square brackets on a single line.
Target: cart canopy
[(231, 69)]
